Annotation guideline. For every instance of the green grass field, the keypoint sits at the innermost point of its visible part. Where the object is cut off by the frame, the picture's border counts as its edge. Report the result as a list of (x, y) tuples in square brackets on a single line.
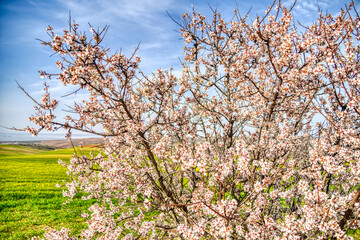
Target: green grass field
[(29, 200)]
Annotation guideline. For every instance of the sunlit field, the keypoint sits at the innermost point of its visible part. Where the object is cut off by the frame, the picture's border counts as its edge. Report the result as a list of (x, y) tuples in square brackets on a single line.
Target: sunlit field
[(29, 199)]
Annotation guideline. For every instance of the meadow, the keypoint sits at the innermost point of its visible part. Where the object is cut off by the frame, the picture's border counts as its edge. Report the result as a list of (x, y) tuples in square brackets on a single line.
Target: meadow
[(29, 198)]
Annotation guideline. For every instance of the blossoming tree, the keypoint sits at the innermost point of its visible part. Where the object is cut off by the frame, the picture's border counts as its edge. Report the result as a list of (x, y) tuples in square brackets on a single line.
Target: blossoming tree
[(259, 138)]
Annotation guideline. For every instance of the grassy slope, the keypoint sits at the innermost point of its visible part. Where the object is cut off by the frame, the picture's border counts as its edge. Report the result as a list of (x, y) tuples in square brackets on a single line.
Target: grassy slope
[(29, 200)]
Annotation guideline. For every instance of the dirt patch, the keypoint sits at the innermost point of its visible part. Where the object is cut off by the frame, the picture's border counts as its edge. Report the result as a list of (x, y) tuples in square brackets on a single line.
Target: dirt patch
[(76, 142)]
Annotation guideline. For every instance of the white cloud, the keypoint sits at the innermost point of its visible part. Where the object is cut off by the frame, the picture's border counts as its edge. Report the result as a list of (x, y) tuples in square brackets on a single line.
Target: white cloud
[(131, 22)]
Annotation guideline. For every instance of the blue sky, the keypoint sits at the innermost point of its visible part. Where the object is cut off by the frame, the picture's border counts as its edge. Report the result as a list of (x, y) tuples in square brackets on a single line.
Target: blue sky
[(130, 21)]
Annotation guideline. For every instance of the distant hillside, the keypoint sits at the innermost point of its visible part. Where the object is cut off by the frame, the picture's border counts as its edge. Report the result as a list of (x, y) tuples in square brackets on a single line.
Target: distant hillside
[(76, 142), (52, 144)]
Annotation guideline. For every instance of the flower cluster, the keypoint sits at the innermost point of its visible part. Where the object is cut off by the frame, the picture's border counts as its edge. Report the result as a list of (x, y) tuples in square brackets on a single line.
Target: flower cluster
[(259, 138)]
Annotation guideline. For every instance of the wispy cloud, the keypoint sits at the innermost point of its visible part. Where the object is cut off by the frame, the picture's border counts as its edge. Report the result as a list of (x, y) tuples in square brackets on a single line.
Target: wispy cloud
[(131, 22), (307, 11)]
